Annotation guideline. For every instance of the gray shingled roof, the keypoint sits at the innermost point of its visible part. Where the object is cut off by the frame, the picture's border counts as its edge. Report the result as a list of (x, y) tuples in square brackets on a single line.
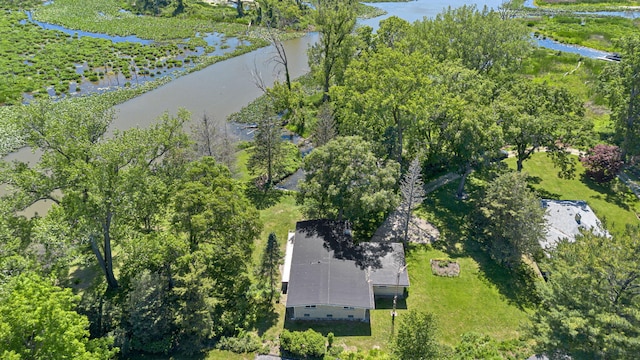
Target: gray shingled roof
[(327, 268), (391, 256)]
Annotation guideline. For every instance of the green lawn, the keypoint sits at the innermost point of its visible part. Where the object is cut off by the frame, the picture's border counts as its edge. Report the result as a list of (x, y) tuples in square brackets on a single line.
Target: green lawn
[(470, 302), (612, 203)]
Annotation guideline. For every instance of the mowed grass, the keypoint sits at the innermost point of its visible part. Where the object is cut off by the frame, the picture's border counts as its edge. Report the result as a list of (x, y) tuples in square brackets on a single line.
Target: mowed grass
[(469, 302), (613, 203)]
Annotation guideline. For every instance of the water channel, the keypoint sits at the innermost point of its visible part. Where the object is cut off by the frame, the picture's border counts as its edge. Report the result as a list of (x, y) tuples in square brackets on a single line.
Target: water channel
[(225, 87)]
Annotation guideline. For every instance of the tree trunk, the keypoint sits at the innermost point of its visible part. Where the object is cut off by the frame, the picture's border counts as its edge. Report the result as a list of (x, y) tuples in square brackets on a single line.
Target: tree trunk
[(463, 179), (397, 120), (407, 221), (112, 283), (108, 258), (240, 8)]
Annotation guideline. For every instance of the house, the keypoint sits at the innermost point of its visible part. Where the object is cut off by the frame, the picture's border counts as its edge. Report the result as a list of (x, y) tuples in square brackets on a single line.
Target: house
[(566, 218), (327, 276)]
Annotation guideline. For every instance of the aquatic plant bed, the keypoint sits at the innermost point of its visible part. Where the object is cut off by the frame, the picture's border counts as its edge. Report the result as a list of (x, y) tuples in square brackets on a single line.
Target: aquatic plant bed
[(590, 31), (445, 267), (39, 63)]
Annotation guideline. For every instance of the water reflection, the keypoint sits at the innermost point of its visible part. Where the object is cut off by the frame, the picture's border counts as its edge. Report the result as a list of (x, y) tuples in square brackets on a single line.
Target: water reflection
[(417, 10), (80, 33), (574, 49)]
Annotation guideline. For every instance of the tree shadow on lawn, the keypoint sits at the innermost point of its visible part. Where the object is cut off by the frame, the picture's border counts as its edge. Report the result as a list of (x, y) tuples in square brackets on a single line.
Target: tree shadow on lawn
[(450, 215), (455, 220), (268, 318), (337, 327), (517, 286), (614, 192), (387, 303), (263, 199)]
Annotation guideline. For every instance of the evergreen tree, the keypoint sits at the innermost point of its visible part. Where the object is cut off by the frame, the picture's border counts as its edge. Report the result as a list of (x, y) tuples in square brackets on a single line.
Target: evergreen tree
[(513, 219)]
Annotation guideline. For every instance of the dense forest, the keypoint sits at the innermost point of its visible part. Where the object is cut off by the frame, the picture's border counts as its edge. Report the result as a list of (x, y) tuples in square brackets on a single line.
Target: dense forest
[(167, 240)]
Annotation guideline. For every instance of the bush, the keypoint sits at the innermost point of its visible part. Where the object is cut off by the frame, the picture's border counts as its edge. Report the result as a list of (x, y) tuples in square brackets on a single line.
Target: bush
[(307, 344), (602, 163), (245, 342)]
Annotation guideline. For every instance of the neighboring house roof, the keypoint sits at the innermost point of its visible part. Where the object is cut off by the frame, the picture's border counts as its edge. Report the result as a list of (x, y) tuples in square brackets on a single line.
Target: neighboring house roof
[(327, 268), (566, 218)]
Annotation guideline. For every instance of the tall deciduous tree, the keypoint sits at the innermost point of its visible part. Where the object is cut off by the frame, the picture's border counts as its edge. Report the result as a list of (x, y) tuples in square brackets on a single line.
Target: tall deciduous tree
[(534, 116), (220, 225), (413, 194), (590, 306), (384, 96), (329, 57), (38, 321), (622, 88), (416, 337), (267, 152), (461, 129), (481, 40), (513, 219), (345, 181), (91, 172)]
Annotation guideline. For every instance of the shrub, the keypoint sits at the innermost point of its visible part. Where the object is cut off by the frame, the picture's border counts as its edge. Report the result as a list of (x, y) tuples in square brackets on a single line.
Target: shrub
[(307, 344), (602, 163), (245, 342)]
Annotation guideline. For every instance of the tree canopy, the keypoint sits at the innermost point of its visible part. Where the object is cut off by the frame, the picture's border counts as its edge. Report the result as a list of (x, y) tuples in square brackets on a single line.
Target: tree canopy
[(416, 337), (621, 86), (590, 304), (512, 219), (345, 181), (38, 321), (486, 42)]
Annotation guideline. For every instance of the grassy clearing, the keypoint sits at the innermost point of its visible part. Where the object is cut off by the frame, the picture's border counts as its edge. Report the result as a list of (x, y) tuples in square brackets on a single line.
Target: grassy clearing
[(615, 203), (580, 76), (470, 302), (571, 71)]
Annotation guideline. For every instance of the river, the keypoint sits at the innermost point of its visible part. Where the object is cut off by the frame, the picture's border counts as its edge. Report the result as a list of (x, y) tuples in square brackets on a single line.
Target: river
[(225, 87)]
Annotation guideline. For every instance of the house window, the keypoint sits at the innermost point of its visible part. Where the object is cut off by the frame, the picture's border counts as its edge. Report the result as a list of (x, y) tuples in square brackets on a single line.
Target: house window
[(348, 307), (307, 315), (310, 306), (329, 315), (350, 316)]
